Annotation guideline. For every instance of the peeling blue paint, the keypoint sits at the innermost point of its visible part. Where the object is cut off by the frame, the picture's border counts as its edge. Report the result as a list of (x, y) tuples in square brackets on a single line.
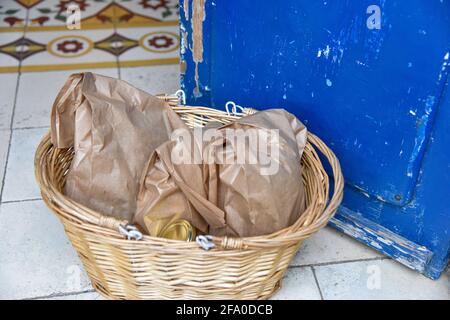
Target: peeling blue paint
[(421, 138), (376, 236)]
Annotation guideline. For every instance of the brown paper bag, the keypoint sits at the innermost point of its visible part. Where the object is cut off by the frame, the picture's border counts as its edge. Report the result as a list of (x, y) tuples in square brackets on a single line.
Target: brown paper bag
[(171, 190), (220, 196), (260, 199), (114, 128)]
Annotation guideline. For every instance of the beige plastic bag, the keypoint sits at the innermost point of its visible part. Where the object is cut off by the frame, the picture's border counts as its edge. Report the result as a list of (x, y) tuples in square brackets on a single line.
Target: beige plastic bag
[(220, 196), (114, 128)]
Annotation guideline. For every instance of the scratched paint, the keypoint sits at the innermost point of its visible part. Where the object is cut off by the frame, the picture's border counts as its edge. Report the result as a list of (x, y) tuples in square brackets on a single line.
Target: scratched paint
[(184, 40), (445, 66), (419, 141), (375, 40), (186, 9)]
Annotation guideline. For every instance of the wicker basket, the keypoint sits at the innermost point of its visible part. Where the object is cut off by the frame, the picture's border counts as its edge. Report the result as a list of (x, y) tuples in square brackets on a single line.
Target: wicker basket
[(157, 268)]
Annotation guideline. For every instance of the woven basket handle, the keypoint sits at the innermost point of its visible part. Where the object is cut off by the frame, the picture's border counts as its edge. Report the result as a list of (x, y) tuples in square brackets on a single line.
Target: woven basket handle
[(338, 177)]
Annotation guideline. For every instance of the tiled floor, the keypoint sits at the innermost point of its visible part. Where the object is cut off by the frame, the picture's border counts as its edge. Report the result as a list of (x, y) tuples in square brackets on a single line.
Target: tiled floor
[(34, 35), (38, 262)]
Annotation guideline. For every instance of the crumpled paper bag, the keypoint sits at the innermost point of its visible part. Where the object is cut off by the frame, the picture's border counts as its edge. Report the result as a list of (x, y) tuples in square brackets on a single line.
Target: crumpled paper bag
[(222, 196), (113, 128), (261, 199), (172, 191)]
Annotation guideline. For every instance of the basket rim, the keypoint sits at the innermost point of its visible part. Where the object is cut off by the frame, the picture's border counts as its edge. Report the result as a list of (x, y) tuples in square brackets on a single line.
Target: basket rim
[(86, 218)]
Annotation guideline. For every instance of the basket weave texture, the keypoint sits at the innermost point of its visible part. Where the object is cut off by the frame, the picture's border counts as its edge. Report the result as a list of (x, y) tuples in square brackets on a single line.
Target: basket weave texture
[(157, 268)]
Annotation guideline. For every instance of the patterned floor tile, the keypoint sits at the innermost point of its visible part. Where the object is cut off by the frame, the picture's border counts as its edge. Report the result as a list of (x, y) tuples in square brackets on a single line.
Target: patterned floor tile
[(35, 97), (139, 32), (145, 13), (101, 14), (89, 49), (20, 183), (45, 15), (13, 15), (7, 94), (385, 279), (155, 79), (298, 284), (329, 245), (149, 46), (53, 14), (12, 49), (36, 257)]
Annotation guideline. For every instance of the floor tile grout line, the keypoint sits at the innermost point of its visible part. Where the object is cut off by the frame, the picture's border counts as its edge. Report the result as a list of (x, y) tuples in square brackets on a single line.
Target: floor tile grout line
[(20, 201), (317, 282), (117, 56), (13, 112), (339, 262), (59, 294), (6, 165), (32, 127)]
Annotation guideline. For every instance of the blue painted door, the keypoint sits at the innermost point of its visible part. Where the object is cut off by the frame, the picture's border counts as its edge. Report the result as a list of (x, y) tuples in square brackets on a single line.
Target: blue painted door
[(369, 77)]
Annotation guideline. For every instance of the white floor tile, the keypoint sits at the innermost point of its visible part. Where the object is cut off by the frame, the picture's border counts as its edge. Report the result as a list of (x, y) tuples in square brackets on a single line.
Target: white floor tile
[(7, 93), (37, 92), (20, 183), (36, 258), (154, 79), (379, 279), (298, 284), (329, 245), (4, 142)]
